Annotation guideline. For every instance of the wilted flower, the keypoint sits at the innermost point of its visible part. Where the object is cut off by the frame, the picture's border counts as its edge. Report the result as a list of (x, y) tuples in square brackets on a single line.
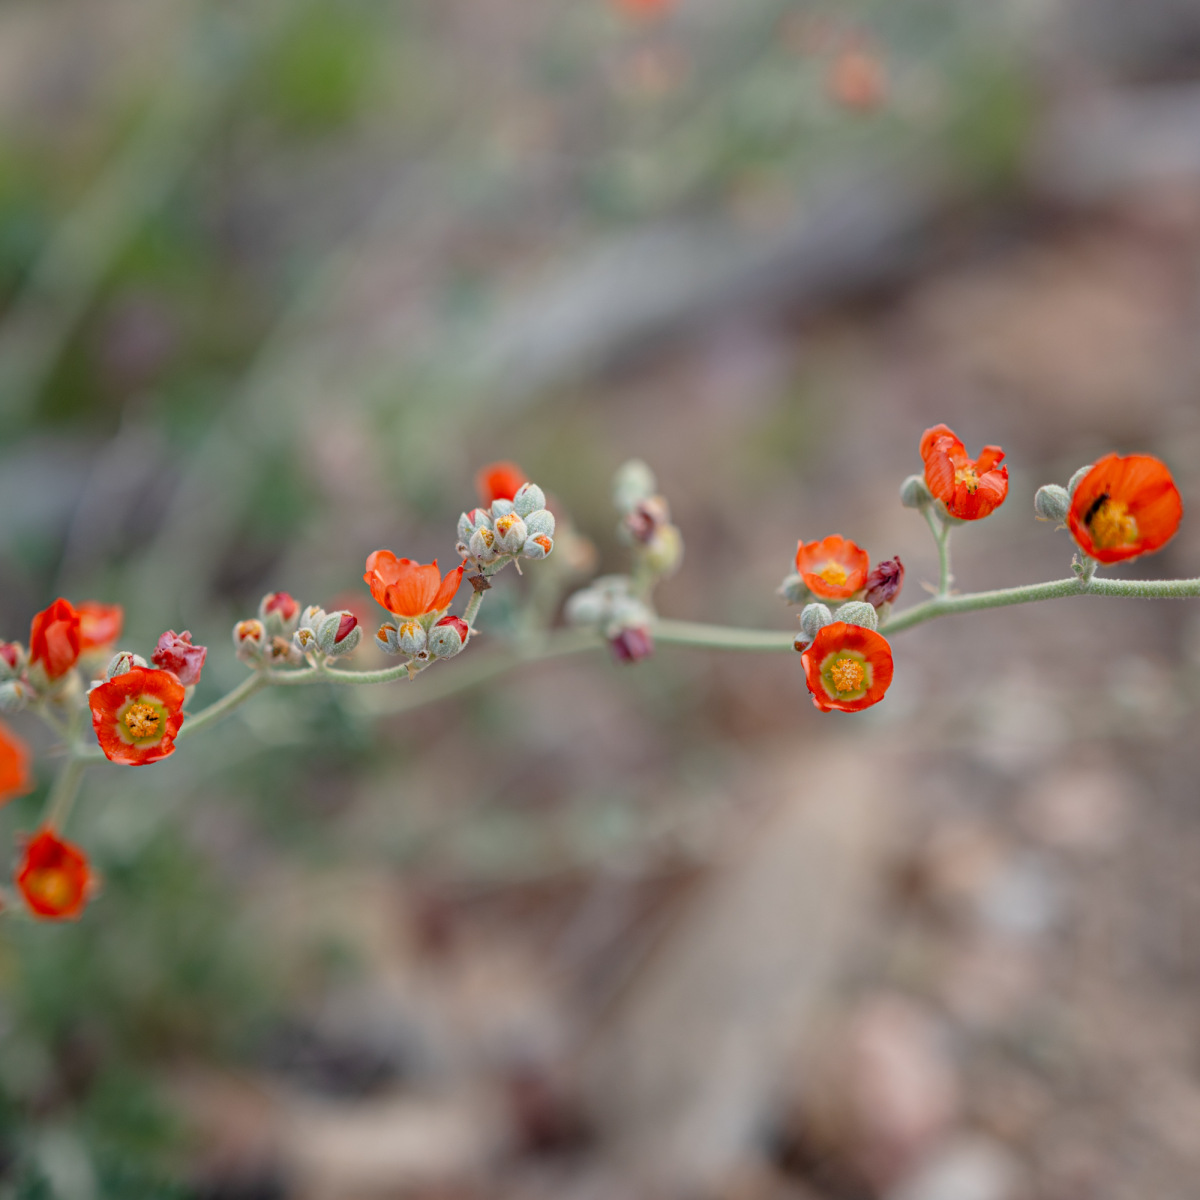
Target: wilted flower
[(176, 653)]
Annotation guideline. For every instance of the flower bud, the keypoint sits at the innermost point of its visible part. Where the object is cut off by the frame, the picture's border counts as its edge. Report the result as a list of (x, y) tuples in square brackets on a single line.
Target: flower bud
[(664, 554), (1077, 479), (502, 508), (914, 493), (123, 663), (541, 520), (14, 695), (411, 638), (348, 634), (858, 612), (645, 519), (282, 652), (12, 660), (537, 547), (482, 544), (477, 518), (448, 636), (385, 639), (633, 481), (279, 614), (586, 607), (884, 582), (631, 644), (305, 639), (1051, 503), (814, 618), (328, 630), (510, 534), (249, 640), (529, 499), (794, 590), (176, 653)]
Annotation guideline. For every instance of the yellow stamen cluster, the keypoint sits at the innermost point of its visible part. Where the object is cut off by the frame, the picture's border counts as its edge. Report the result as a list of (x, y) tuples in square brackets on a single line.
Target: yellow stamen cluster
[(847, 675), (1111, 525), (142, 720), (967, 476), (834, 573)]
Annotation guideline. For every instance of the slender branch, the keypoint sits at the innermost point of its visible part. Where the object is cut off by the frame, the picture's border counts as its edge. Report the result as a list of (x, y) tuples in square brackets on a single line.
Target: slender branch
[(230, 701), (941, 535), (63, 793)]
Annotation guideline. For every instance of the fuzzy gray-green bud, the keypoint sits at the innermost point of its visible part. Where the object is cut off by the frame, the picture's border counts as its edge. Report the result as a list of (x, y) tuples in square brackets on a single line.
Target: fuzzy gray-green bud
[(794, 590), (813, 618), (411, 638), (123, 663), (502, 508), (633, 482), (448, 637), (14, 695), (914, 493), (541, 520), (482, 544), (1077, 478), (477, 518), (537, 547), (1051, 503), (529, 498), (385, 638), (858, 612), (327, 631)]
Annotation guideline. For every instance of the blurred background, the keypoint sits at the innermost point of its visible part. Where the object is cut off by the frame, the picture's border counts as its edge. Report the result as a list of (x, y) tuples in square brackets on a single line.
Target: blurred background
[(276, 278)]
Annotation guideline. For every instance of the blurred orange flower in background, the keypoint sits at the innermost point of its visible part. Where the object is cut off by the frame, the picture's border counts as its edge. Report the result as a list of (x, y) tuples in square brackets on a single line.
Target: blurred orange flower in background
[(407, 588), (969, 488), (499, 481), (99, 624), (54, 877), (857, 79), (15, 779), (54, 639), (1124, 507)]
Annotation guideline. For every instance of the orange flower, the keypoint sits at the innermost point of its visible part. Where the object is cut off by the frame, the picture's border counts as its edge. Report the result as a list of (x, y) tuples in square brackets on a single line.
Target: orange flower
[(54, 640), (1124, 507), (99, 624), (499, 481), (833, 568), (847, 667), (54, 877), (137, 715), (15, 779), (969, 488), (408, 589), (645, 8), (857, 79)]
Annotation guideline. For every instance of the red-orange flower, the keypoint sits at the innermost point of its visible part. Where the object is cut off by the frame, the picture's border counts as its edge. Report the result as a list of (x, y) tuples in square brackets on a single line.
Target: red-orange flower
[(137, 715), (99, 624), (847, 667), (499, 481), (645, 8), (15, 779), (54, 640), (407, 588), (833, 568), (969, 488), (54, 876), (1124, 507)]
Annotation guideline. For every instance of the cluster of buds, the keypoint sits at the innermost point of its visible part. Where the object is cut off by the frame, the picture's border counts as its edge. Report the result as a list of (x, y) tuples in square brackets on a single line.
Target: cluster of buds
[(610, 606), (834, 568), (645, 527), (283, 635), (517, 527)]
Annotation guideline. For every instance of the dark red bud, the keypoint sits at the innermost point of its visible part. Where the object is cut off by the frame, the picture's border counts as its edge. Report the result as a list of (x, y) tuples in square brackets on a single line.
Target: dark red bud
[(348, 622), (11, 653), (884, 582), (647, 517), (175, 653), (632, 644)]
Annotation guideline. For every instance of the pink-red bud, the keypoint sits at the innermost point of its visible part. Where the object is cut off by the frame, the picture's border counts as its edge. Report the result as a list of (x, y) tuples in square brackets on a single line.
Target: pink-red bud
[(175, 653), (458, 624), (347, 623), (631, 644), (884, 582), (281, 603), (10, 652)]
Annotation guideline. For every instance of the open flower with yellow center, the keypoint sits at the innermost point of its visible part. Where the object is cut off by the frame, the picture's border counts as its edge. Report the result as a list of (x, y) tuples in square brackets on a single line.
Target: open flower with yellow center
[(833, 568), (970, 488), (1124, 507), (54, 877), (15, 776), (137, 715), (847, 667)]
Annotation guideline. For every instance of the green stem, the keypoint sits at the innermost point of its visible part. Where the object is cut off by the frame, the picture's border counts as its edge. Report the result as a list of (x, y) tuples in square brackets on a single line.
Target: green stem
[(472, 609), (63, 793), (720, 637), (224, 706), (941, 534)]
